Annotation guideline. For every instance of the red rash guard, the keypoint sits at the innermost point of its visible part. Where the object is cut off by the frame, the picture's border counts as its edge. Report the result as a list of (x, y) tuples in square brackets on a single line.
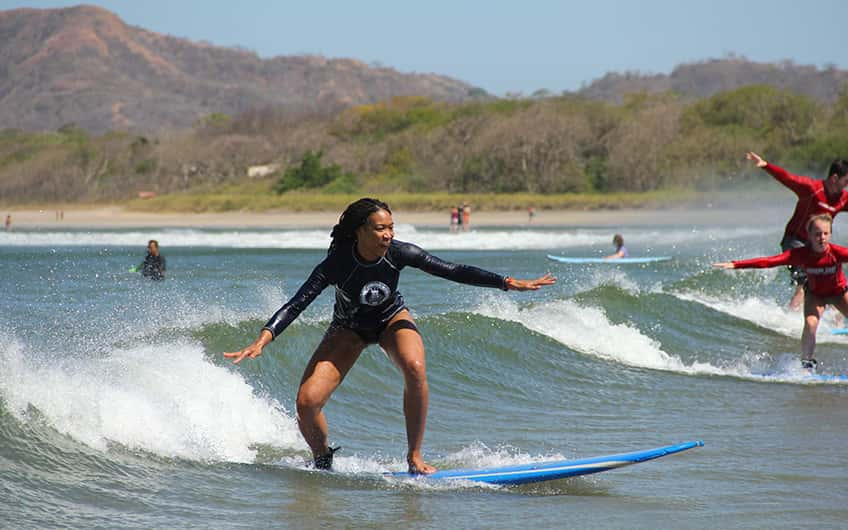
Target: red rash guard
[(824, 271), (812, 200)]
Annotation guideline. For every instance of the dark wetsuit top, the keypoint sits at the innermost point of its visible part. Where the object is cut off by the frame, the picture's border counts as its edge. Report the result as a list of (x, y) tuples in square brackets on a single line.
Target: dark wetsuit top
[(153, 267), (366, 293)]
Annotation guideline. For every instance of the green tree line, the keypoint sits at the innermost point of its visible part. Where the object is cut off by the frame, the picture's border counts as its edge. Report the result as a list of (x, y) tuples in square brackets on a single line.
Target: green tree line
[(412, 144)]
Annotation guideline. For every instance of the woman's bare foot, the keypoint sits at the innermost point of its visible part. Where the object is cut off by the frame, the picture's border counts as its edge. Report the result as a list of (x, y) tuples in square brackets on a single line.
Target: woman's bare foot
[(418, 466)]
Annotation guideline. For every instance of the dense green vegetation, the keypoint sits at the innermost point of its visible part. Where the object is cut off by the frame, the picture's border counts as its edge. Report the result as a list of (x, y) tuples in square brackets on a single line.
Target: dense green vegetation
[(552, 146), (312, 174), (260, 198)]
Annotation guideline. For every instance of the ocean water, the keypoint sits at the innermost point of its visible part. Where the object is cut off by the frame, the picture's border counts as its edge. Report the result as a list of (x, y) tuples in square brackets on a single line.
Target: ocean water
[(117, 408)]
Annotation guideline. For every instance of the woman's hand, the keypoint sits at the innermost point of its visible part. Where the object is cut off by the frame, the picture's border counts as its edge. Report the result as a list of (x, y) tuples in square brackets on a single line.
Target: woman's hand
[(724, 265), (253, 351), (529, 285), (755, 158)]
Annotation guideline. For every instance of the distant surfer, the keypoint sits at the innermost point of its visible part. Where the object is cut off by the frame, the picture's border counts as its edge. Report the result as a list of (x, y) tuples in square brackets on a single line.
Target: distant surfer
[(364, 263), (153, 266), (814, 197), (822, 262), (620, 249)]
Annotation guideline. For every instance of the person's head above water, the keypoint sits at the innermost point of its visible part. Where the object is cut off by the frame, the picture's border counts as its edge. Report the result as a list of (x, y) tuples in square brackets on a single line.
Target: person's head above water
[(153, 247), (819, 231), (618, 241), (369, 223)]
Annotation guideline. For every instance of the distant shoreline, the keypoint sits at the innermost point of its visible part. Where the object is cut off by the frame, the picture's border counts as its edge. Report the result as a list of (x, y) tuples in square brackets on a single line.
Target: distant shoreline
[(118, 217)]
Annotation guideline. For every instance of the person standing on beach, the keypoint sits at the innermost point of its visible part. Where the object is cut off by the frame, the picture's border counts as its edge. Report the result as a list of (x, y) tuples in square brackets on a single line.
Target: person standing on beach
[(153, 266), (814, 197), (531, 213), (8, 222), (466, 216), (822, 262), (364, 262), (454, 220)]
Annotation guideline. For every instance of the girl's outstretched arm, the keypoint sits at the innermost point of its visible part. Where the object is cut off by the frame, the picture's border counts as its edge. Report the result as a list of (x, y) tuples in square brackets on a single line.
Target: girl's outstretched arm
[(253, 350), (765, 262), (529, 285), (756, 159)]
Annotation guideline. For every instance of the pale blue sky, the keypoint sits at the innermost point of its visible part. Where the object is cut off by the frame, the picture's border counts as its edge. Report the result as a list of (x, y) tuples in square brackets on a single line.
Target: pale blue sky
[(516, 46)]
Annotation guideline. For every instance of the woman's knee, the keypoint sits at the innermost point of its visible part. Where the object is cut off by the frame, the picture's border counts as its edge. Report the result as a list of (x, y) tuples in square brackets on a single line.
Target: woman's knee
[(414, 371), (309, 399)]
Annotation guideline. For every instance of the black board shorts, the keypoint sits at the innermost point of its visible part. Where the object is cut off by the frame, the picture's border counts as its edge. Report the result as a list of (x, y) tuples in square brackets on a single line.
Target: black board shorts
[(372, 335), (799, 277)]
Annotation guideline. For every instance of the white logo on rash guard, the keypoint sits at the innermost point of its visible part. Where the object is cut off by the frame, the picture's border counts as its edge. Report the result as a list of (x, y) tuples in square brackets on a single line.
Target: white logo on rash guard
[(821, 270), (374, 293)]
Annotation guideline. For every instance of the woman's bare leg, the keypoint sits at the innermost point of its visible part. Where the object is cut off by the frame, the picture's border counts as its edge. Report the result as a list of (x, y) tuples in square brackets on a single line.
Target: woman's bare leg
[(403, 344), (334, 357), (797, 299), (813, 309), (841, 303)]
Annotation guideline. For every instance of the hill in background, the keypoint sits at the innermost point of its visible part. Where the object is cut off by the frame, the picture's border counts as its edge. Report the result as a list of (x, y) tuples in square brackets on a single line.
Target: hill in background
[(706, 78), (100, 92), (84, 65)]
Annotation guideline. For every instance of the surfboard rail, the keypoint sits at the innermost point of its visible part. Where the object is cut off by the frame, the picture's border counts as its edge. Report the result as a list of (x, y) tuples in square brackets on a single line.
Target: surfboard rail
[(543, 471), (620, 261)]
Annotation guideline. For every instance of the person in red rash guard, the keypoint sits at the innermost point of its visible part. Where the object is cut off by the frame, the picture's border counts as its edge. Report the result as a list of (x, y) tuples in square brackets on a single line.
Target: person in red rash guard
[(826, 284), (814, 197)]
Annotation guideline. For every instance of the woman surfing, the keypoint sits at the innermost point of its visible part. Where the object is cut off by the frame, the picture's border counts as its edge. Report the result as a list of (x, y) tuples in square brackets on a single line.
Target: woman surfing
[(364, 263)]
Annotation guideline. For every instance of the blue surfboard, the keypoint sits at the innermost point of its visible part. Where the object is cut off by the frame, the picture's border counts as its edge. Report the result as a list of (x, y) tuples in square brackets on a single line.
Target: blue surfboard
[(836, 378), (839, 331), (647, 259), (543, 471), (819, 378)]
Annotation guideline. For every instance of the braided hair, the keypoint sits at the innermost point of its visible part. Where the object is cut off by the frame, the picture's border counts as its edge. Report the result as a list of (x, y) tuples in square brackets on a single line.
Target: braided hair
[(354, 216)]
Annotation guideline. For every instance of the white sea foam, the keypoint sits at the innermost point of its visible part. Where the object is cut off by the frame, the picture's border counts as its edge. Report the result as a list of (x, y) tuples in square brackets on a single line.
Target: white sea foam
[(166, 399), (766, 313), (614, 277), (589, 331), (642, 241)]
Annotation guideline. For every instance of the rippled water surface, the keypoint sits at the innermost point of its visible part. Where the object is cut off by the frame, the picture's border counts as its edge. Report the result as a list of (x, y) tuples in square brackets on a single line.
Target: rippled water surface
[(117, 409)]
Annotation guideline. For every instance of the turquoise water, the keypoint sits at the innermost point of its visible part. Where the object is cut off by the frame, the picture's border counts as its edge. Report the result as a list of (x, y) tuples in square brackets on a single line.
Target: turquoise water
[(117, 409)]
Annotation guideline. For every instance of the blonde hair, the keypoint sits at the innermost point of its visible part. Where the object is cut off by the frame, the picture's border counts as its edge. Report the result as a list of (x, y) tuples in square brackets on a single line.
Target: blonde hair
[(826, 217)]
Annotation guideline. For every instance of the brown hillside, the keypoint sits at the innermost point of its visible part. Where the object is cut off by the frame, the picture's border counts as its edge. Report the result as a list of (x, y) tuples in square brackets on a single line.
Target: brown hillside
[(84, 65), (705, 78)]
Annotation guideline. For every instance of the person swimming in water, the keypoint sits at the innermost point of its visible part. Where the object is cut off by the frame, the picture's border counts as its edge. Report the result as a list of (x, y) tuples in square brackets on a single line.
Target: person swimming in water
[(153, 266), (826, 285), (620, 249), (364, 262)]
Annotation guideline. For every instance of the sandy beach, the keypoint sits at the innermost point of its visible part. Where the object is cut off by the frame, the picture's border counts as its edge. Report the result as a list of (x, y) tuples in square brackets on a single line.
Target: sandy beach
[(117, 217)]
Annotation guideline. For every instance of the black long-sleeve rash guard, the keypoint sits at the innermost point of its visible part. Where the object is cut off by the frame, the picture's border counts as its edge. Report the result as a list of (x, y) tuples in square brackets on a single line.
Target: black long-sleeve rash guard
[(366, 293)]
